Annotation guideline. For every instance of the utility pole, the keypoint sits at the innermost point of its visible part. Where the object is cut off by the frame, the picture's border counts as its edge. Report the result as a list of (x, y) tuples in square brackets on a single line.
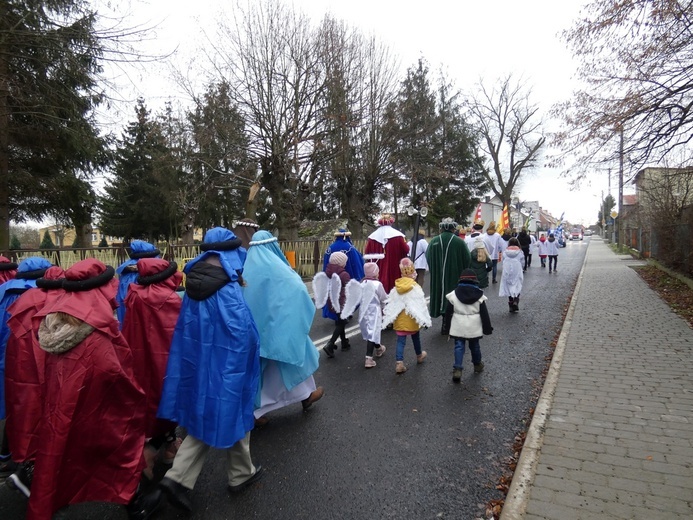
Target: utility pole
[(620, 189)]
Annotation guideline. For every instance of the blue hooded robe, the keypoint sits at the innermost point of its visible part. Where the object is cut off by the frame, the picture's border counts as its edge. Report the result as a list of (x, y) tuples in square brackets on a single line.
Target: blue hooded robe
[(138, 249), (283, 311), (213, 367), (354, 265), (29, 270)]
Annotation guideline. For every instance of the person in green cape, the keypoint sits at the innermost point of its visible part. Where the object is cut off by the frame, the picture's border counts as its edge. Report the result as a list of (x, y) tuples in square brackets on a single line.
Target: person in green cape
[(447, 257)]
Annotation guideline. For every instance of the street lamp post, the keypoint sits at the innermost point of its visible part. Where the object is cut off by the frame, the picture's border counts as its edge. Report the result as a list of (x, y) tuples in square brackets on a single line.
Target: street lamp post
[(420, 213)]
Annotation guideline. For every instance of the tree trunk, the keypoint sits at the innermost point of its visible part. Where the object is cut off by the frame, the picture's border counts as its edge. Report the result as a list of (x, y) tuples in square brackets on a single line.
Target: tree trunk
[(4, 159)]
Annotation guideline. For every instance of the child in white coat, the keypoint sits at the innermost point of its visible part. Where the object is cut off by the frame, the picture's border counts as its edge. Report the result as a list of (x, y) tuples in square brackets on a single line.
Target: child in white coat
[(468, 317), (512, 277), (371, 312)]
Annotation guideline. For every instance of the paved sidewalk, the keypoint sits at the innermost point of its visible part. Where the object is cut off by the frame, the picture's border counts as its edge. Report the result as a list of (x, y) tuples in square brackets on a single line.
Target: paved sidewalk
[(612, 434)]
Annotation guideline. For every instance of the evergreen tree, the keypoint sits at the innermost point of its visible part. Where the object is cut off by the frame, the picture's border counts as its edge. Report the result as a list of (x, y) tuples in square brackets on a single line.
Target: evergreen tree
[(47, 242), (135, 204), (14, 242), (49, 62)]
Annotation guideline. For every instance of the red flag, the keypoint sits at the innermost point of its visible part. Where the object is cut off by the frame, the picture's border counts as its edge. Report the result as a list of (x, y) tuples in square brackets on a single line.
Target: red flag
[(477, 216), (504, 221)]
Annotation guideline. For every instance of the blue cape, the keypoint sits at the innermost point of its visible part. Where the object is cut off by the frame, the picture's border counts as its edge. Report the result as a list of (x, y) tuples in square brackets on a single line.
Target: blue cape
[(125, 279), (19, 285), (213, 368), (354, 265), (283, 311)]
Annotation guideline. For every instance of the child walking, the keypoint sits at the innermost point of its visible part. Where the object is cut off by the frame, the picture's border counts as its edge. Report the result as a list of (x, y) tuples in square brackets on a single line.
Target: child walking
[(329, 286), (512, 277), (406, 308), (468, 319), (371, 312), (542, 249)]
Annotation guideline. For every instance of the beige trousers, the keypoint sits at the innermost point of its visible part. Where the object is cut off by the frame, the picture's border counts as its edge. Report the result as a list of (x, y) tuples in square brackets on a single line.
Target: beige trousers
[(192, 454)]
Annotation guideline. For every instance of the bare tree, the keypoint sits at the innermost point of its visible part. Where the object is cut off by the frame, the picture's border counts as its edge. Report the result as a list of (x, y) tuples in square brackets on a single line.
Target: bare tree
[(510, 132), (269, 56), (637, 68), (360, 82)]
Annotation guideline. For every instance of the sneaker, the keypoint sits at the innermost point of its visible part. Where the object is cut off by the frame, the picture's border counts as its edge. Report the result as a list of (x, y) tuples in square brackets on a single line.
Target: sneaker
[(456, 375), (380, 351), (400, 368), (420, 358), (370, 362), (479, 368), (20, 481), (329, 350), (8, 467)]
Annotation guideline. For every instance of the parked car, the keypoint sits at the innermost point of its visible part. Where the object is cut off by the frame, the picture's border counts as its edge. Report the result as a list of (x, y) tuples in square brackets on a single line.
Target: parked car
[(588, 233)]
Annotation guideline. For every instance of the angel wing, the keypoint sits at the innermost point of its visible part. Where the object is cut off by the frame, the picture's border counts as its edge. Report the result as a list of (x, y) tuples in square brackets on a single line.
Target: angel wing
[(321, 285), (335, 292), (352, 292)]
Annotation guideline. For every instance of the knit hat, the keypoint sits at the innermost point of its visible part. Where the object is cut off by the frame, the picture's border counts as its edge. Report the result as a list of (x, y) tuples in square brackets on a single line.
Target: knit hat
[(406, 267), (372, 271), (447, 224), (338, 258), (469, 276)]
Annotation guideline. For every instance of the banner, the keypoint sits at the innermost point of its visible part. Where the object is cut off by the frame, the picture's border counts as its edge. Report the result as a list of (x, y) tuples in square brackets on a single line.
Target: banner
[(504, 221), (477, 215)]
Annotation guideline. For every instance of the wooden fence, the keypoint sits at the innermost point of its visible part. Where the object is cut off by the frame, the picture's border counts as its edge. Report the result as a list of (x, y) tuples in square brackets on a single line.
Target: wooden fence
[(307, 254)]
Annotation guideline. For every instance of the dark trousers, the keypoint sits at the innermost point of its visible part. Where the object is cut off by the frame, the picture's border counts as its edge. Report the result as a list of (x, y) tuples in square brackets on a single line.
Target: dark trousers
[(553, 259), (339, 331)]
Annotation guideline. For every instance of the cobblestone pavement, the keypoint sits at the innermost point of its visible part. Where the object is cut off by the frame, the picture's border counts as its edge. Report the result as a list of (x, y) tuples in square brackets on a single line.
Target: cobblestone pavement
[(612, 435)]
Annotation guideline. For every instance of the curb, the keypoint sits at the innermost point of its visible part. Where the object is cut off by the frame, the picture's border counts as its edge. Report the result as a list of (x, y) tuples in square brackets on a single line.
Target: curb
[(517, 498)]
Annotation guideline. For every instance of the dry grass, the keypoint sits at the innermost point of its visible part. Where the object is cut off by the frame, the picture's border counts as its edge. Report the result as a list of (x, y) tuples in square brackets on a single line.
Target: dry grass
[(677, 294)]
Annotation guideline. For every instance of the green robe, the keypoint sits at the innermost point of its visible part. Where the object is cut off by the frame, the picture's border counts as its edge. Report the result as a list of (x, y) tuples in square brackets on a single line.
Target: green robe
[(447, 256)]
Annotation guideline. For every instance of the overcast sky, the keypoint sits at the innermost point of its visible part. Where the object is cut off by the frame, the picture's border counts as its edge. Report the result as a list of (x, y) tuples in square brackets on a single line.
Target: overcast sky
[(470, 40)]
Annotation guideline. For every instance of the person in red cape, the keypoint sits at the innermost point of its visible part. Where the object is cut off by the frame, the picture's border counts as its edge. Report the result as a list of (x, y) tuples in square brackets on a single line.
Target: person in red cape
[(152, 307), (24, 364), (387, 241), (8, 269), (91, 436)]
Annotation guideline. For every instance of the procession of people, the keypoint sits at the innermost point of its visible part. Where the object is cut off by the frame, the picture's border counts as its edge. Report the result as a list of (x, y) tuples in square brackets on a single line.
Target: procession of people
[(172, 377)]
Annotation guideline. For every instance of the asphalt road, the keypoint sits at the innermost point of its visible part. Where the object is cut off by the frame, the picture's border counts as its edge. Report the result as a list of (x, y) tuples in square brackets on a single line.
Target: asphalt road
[(379, 445)]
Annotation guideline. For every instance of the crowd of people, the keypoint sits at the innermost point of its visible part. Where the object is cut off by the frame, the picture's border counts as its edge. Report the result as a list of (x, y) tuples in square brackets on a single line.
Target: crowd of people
[(101, 368)]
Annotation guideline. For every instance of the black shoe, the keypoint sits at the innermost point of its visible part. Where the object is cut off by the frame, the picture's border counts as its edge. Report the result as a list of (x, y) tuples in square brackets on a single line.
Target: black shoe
[(314, 396), (20, 481), (259, 470), (176, 493), (345, 345), (329, 350), (143, 507), (494, 281)]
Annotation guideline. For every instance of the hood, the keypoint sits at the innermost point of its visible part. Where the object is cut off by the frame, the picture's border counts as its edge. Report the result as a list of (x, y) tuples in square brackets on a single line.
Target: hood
[(404, 285), (512, 252), (57, 335), (332, 269), (542, 238), (205, 279), (158, 271), (552, 239), (468, 293)]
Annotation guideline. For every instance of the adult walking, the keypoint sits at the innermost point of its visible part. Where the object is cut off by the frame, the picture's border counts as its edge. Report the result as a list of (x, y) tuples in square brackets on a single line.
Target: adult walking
[(391, 243), (127, 272), (213, 371), (494, 245), (342, 243), (525, 243), (447, 256), (283, 312), (420, 262)]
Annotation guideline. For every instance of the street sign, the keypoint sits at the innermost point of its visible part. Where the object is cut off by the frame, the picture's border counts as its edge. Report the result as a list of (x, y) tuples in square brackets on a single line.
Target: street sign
[(614, 213)]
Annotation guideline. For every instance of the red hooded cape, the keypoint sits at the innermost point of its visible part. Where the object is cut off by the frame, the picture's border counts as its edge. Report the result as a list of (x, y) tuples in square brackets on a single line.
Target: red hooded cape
[(8, 269), (151, 312), (24, 364), (91, 436)]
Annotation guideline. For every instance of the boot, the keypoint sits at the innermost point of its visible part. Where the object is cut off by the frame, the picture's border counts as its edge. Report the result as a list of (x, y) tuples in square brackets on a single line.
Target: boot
[(380, 351), (400, 368), (329, 349), (420, 358), (370, 362), (456, 375), (345, 344)]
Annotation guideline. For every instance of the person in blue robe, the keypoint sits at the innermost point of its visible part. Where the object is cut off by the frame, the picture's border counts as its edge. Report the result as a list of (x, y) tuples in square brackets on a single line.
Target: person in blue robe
[(127, 272), (213, 370), (283, 312)]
